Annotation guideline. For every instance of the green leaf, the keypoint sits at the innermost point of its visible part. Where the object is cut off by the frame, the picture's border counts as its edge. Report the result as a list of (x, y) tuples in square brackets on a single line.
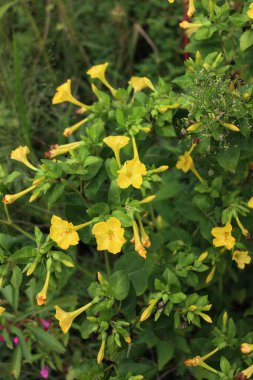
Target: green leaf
[(126, 221), (4, 8), (16, 277), (49, 340), (87, 328), (55, 193), (165, 351), (92, 165), (114, 196), (98, 209), (16, 362), (177, 297), (228, 158), (246, 40), (119, 285), (22, 255)]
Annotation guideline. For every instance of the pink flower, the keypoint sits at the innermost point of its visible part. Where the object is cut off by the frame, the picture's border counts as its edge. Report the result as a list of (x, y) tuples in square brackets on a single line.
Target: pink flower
[(15, 340), (1, 338), (44, 372), (45, 323)]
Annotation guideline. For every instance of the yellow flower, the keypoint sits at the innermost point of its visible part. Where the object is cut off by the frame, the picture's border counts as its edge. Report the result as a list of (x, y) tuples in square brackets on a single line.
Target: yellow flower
[(250, 203), (169, 107), (101, 352), (248, 372), (63, 94), (139, 83), (190, 27), (20, 154), (137, 242), (98, 72), (232, 127), (131, 174), (185, 162), (144, 236), (171, 1), (200, 361), (2, 310), (242, 258), (116, 143), (203, 256), (191, 8), (41, 297), (160, 169), (66, 318), (210, 275), (193, 127), (64, 232), (132, 171), (57, 150), (147, 312), (148, 199), (223, 237), (68, 131), (10, 198), (250, 11), (109, 235), (246, 348)]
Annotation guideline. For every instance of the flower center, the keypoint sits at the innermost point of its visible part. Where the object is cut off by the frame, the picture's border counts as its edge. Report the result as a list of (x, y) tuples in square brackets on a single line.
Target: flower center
[(110, 235)]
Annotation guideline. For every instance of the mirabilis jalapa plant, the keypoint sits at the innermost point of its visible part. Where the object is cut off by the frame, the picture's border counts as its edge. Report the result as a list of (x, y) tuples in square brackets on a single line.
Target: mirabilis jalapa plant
[(157, 179)]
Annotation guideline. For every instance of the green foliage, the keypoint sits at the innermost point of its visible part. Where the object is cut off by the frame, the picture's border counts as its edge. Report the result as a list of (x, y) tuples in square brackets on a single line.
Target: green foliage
[(148, 269)]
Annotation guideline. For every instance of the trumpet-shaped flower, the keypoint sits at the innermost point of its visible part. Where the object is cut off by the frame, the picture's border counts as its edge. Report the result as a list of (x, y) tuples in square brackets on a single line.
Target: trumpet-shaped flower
[(64, 232), (10, 198), (200, 361), (57, 150), (246, 348), (145, 241), (231, 127), (98, 72), (101, 352), (193, 127), (223, 237), (139, 83), (116, 143), (250, 11), (138, 246), (66, 318), (147, 312), (191, 8), (20, 154), (185, 162), (169, 107), (2, 310), (190, 27), (68, 131), (42, 295), (131, 174), (63, 94), (132, 171), (148, 199), (242, 258), (109, 235)]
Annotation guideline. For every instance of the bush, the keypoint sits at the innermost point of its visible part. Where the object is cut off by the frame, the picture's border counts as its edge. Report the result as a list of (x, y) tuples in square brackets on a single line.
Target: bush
[(132, 259)]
